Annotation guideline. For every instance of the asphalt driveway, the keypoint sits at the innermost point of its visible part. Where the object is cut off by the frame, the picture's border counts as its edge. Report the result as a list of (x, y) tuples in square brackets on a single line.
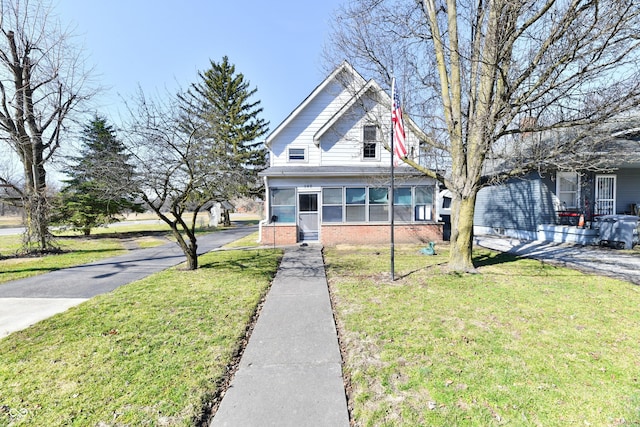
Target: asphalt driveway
[(26, 301), (590, 259)]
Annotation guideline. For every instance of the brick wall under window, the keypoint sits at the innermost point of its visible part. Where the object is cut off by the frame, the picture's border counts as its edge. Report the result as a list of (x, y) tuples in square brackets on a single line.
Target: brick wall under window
[(361, 234)]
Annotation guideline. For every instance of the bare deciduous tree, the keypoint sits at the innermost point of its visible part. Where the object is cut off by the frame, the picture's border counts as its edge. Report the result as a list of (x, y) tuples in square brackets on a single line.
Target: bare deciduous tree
[(524, 84), (42, 80), (179, 172)]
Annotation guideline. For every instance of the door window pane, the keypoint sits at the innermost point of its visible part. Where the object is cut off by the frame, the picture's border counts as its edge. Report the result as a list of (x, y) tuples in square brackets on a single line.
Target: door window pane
[(308, 203)]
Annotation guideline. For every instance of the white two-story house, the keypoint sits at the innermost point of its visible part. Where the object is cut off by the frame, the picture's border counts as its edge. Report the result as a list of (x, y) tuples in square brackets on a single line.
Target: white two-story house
[(329, 173)]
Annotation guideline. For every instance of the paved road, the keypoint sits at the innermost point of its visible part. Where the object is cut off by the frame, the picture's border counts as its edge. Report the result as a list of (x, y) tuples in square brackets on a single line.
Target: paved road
[(26, 301), (592, 259), (11, 231)]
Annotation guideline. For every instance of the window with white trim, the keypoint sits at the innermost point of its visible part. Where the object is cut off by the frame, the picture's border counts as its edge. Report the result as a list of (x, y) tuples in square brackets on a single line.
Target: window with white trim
[(378, 204), (424, 203), (283, 204), (567, 189), (355, 209), (297, 155), (370, 142), (402, 204), (372, 204), (332, 204)]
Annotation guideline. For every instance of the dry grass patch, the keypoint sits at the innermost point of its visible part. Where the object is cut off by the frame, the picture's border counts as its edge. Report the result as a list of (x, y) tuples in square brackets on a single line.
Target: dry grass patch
[(522, 343)]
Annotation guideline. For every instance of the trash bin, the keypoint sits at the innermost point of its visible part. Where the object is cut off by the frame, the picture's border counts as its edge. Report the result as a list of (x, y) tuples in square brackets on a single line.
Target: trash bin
[(618, 231)]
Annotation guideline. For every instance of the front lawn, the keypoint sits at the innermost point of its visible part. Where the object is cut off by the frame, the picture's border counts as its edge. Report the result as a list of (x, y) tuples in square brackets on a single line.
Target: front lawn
[(522, 343), (149, 353)]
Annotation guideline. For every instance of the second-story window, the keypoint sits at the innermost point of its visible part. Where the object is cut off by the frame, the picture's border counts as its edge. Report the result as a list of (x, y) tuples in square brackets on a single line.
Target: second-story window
[(297, 155), (370, 150)]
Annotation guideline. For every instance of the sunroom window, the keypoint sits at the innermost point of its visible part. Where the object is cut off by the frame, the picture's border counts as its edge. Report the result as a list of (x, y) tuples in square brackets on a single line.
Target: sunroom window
[(424, 203), (378, 204), (283, 204), (355, 204), (332, 205), (402, 204)]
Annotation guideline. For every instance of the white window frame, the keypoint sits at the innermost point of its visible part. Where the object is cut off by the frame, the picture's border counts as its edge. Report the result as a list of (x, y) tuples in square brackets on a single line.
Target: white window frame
[(374, 142), (576, 193), (297, 160)]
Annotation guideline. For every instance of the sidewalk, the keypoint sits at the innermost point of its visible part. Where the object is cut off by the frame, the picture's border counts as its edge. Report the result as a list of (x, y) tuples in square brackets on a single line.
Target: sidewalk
[(291, 371), (590, 259), (27, 301)]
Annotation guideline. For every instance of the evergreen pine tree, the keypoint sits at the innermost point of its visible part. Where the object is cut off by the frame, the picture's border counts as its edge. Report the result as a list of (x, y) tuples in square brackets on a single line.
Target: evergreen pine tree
[(99, 189), (220, 109)]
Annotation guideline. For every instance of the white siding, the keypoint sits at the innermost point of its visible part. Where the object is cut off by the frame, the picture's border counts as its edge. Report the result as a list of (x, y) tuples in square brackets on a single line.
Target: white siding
[(302, 128), (342, 143)]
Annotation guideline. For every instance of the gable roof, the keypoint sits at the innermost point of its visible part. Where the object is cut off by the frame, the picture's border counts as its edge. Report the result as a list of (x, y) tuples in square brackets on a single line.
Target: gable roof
[(359, 94), (345, 67)]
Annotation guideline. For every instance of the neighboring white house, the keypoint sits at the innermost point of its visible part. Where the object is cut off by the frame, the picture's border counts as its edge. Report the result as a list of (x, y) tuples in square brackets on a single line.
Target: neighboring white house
[(328, 178)]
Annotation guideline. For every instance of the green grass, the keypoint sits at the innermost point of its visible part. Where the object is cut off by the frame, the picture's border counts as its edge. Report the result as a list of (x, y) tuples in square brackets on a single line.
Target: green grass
[(249, 241), (522, 343), (149, 353)]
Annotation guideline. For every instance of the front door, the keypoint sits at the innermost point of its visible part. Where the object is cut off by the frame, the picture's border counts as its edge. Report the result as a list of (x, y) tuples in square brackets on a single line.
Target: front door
[(605, 194), (308, 217)]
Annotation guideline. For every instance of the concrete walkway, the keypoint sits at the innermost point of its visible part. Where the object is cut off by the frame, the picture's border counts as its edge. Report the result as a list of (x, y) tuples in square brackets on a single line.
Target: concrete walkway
[(291, 371), (27, 301), (591, 259)]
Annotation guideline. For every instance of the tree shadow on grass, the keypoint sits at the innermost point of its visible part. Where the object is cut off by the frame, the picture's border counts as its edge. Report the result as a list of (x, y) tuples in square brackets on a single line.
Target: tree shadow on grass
[(493, 258), (116, 235), (242, 260)]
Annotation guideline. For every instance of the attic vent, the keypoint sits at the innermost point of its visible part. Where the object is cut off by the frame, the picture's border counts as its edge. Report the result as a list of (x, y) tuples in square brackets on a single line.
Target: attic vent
[(297, 155)]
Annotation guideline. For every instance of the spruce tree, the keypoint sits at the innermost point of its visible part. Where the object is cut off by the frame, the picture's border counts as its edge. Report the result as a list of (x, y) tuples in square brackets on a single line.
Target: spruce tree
[(99, 189), (220, 109)]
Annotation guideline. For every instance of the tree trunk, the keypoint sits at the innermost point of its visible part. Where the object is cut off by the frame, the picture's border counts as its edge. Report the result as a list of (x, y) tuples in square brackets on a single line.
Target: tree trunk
[(190, 248), (36, 237), (192, 258), (462, 210)]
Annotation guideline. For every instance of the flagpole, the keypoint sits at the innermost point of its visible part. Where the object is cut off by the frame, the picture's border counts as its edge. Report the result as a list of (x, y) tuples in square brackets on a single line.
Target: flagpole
[(391, 195)]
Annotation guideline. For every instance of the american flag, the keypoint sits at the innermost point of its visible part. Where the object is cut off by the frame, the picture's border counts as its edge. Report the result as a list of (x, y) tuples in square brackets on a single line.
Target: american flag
[(399, 146)]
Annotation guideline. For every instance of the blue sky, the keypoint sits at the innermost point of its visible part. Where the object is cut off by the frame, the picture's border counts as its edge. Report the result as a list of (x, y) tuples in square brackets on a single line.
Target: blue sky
[(162, 45)]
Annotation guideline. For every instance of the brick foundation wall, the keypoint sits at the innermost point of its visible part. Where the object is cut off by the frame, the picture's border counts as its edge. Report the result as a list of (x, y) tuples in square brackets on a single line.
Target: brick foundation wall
[(362, 234), (284, 234), (332, 235)]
